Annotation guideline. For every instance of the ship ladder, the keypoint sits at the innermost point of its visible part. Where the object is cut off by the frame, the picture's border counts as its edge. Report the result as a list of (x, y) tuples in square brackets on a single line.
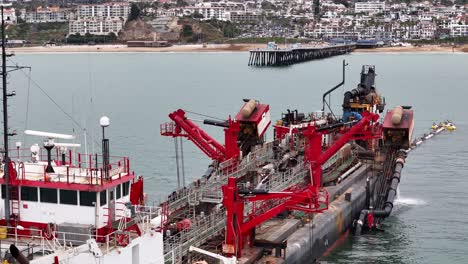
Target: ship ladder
[(15, 204), (191, 212)]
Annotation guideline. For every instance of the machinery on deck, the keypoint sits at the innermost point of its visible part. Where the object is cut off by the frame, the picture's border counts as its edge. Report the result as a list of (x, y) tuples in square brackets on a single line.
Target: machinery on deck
[(307, 197), (240, 134), (313, 160), (364, 97)]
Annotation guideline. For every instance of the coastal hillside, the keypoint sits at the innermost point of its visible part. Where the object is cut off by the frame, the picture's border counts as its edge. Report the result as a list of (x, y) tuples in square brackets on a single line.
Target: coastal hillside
[(185, 30), (38, 33)]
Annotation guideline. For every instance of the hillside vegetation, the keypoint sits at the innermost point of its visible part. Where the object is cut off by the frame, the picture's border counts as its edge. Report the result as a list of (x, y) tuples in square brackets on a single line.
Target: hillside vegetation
[(38, 33)]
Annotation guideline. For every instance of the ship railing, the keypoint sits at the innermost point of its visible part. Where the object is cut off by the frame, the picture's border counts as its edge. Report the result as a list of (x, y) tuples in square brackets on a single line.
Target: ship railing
[(212, 192), (72, 174), (168, 129), (178, 198), (91, 161), (209, 190), (43, 241), (280, 181), (202, 229)]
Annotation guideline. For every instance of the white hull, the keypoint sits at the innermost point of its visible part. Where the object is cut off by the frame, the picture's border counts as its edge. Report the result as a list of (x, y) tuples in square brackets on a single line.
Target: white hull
[(147, 249)]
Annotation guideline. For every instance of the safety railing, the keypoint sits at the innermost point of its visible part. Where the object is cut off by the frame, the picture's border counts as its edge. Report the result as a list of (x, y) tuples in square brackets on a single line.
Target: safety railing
[(72, 174), (203, 228)]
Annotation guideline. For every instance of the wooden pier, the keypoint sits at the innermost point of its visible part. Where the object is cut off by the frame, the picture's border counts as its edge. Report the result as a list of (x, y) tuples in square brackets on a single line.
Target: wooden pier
[(283, 57)]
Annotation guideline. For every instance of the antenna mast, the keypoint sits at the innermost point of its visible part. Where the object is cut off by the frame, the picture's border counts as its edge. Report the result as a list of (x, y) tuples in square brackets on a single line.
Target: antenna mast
[(5, 125), (6, 134)]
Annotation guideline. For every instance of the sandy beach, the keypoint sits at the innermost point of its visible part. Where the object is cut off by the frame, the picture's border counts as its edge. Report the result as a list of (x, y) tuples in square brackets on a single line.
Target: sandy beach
[(124, 48), (211, 48)]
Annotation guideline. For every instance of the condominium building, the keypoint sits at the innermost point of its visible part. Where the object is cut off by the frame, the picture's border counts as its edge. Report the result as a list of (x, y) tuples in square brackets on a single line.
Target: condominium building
[(46, 15), (458, 30), (112, 9), (208, 12), (215, 10), (243, 16), (369, 7), (96, 26)]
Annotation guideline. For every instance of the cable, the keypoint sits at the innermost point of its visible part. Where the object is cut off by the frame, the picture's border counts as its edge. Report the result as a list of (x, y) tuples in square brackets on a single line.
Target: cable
[(48, 96), (51, 99), (27, 105), (195, 113)]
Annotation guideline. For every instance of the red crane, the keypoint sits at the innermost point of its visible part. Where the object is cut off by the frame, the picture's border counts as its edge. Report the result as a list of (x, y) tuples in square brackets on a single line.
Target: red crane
[(311, 199), (245, 132), (183, 127)]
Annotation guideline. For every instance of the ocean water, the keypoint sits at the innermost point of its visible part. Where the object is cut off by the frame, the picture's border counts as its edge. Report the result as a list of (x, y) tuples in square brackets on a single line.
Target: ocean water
[(138, 90)]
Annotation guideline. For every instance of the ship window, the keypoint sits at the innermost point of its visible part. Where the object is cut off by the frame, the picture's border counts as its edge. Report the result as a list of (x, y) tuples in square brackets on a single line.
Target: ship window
[(119, 191), (103, 195), (125, 189), (48, 195), (68, 197), (87, 198), (29, 194)]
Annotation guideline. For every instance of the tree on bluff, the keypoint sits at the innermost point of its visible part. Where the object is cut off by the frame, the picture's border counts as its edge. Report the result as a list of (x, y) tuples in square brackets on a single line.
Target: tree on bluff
[(134, 12)]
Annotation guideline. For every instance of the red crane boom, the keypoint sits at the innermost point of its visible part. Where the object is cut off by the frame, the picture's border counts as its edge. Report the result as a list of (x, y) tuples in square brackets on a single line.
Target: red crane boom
[(183, 127)]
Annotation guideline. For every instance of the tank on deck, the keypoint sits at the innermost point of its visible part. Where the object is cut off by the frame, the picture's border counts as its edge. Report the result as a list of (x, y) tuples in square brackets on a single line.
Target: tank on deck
[(398, 127)]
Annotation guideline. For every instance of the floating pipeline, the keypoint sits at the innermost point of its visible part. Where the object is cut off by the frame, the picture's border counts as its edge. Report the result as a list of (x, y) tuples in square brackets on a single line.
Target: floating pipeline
[(367, 215)]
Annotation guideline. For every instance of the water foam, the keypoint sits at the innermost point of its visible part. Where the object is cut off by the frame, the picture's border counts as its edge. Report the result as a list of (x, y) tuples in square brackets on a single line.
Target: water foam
[(407, 200)]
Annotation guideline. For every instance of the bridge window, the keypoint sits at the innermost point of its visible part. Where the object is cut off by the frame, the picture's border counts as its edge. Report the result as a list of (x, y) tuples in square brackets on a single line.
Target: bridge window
[(126, 188), (48, 195), (12, 190), (29, 194), (68, 197), (103, 197), (87, 198), (119, 191)]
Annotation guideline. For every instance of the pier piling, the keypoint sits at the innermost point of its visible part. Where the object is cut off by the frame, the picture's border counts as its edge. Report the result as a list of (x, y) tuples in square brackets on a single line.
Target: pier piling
[(284, 57)]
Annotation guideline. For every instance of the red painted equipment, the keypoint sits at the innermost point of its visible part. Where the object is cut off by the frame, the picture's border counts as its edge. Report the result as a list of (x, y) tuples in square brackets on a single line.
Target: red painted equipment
[(398, 132), (185, 224), (183, 127), (362, 130), (244, 132), (307, 200), (136, 192), (311, 199)]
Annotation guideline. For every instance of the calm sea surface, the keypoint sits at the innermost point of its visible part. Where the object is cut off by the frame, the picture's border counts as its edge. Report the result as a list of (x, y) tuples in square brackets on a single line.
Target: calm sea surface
[(137, 91)]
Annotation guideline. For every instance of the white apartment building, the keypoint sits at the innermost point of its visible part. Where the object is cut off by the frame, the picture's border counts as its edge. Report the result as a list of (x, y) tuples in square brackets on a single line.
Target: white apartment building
[(214, 10), (9, 15), (112, 9), (207, 12), (427, 30), (369, 7), (457, 30), (46, 16), (96, 26), (243, 16)]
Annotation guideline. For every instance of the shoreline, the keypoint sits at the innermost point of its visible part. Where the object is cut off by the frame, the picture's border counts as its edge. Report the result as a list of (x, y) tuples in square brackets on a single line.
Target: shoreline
[(214, 48)]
